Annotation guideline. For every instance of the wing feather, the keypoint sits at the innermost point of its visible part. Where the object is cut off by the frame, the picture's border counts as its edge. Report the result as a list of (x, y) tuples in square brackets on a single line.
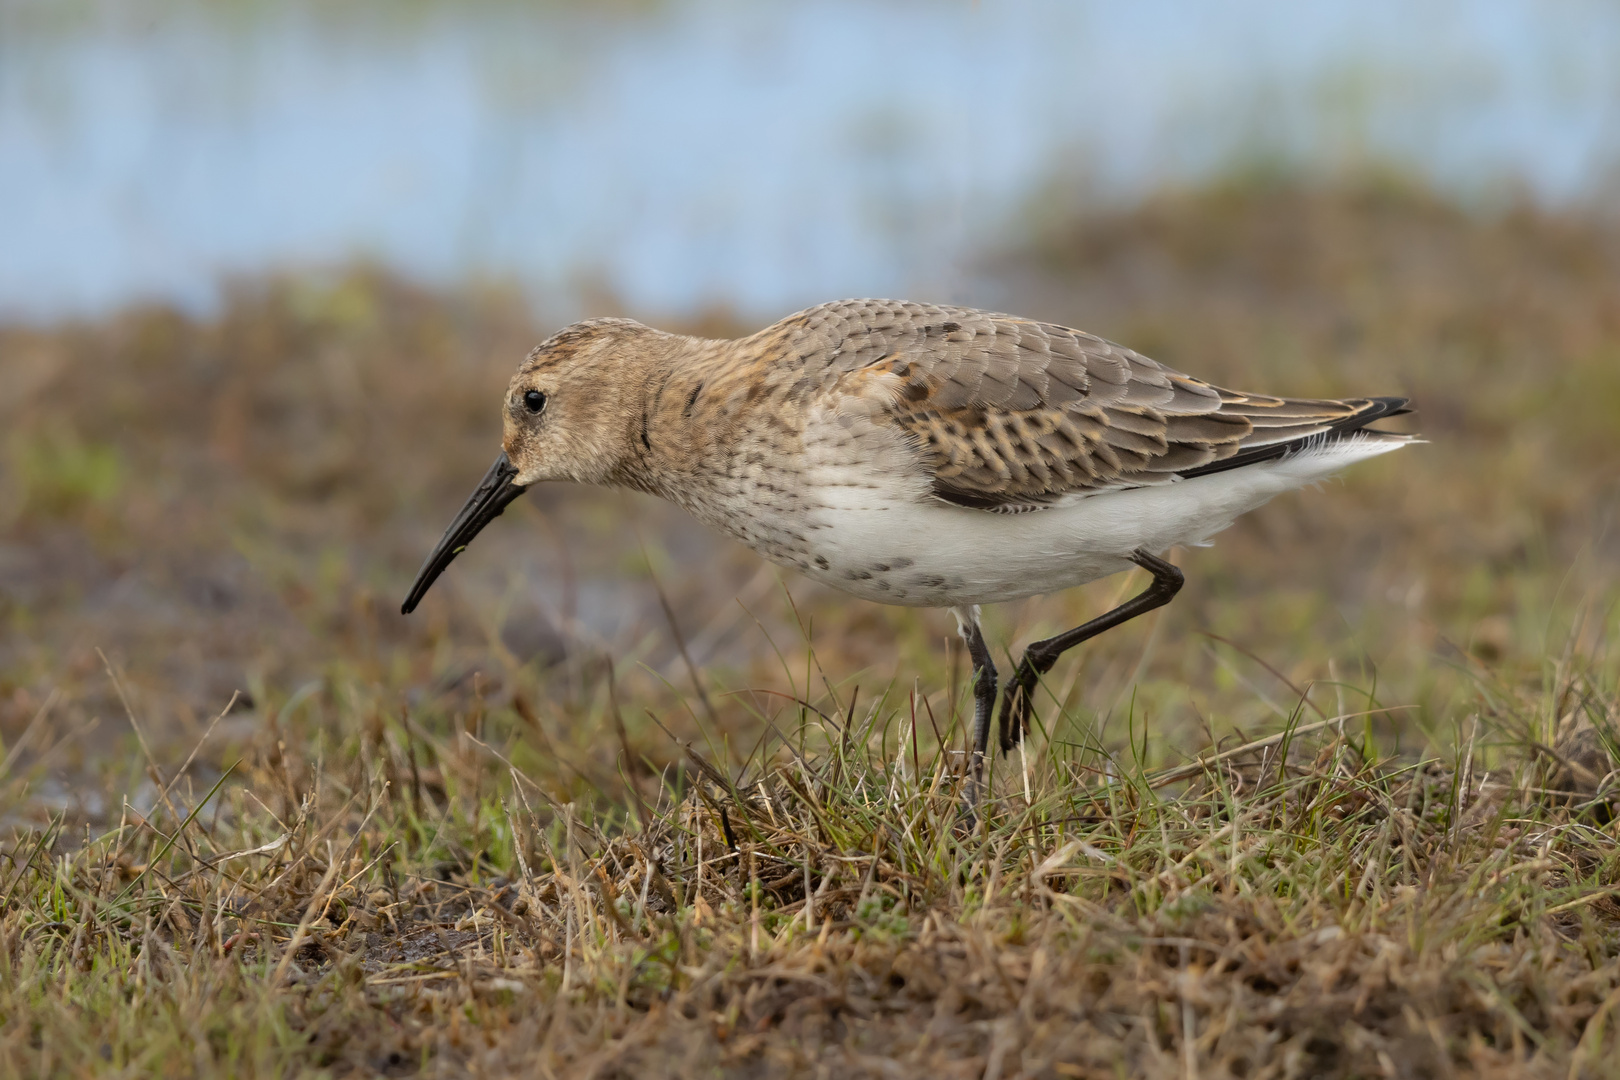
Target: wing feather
[(1010, 414)]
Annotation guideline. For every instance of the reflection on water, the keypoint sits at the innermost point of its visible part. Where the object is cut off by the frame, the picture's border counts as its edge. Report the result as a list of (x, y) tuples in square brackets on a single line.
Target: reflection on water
[(761, 156)]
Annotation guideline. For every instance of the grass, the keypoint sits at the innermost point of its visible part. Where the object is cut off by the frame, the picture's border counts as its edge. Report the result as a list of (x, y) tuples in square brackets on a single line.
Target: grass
[(1344, 809), (406, 900)]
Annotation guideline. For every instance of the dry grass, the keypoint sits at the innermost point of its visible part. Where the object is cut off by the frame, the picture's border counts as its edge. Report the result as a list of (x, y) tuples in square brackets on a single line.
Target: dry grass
[(516, 833), (1301, 908)]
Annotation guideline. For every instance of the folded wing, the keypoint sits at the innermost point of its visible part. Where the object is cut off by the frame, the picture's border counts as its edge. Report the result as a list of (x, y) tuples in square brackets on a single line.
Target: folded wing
[(1012, 414)]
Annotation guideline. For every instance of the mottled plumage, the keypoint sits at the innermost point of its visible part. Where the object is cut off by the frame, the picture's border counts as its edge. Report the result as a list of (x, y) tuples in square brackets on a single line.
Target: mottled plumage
[(917, 454), (1013, 414)]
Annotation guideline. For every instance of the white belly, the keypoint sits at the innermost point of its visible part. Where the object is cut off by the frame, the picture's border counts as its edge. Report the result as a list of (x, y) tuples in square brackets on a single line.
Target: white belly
[(880, 542)]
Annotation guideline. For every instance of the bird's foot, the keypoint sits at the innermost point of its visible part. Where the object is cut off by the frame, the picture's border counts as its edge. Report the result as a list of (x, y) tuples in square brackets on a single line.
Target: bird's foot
[(1017, 707)]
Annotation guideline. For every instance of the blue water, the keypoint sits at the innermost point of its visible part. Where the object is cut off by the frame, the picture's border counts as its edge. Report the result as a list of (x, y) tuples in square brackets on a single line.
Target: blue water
[(760, 156)]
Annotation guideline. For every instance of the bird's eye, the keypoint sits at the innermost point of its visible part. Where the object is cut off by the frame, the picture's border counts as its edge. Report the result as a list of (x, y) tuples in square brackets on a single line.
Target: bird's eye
[(534, 401)]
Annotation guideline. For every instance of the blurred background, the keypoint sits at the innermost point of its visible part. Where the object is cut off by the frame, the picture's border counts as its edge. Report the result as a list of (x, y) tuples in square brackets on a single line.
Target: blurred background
[(754, 158), (266, 268)]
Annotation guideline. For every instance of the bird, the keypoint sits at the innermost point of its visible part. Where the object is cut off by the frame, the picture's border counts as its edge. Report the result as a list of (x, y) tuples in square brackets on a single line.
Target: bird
[(918, 454)]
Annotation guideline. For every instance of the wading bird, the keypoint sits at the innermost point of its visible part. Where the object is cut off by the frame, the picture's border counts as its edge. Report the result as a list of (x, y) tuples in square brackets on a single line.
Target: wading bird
[(920, 455)]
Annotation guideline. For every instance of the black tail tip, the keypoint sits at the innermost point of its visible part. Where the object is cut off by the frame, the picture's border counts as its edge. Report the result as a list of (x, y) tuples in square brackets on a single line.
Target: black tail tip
[(1385, 406)]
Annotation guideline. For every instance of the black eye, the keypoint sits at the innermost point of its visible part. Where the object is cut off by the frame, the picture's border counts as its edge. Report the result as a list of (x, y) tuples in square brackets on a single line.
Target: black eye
[(534, 401)]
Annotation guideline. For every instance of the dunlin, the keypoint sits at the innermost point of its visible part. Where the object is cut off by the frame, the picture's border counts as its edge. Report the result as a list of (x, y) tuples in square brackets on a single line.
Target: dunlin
[(920, 455)]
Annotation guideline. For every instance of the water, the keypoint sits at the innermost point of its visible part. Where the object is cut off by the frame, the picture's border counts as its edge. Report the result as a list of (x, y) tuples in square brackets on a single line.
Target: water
[(756, 156)]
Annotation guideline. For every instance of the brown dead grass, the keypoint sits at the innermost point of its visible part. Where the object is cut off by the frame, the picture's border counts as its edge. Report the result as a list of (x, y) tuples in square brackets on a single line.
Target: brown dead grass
[(1300, 909)]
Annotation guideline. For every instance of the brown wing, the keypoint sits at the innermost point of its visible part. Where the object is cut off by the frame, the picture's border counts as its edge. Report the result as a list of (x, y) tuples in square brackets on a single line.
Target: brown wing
[(1012, 414)]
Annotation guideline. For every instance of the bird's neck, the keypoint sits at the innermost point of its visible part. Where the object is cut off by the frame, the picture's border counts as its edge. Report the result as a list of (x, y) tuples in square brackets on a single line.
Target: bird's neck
[(679, 416)]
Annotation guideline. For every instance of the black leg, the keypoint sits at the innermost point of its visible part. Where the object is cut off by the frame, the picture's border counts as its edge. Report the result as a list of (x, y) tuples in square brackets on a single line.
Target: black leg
[(984, 699), (1040, 656)]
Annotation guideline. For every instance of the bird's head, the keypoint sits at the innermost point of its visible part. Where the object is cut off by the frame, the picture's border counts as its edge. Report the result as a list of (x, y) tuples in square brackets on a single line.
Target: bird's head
[(567, 415), (568, 408)]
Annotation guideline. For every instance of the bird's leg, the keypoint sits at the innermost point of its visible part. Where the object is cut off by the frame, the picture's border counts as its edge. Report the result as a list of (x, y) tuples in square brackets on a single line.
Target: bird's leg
[(1041, 655), (984, 697)]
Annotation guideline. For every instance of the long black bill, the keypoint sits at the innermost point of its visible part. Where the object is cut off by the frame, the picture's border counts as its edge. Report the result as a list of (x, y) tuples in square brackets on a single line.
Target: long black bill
[(495, 493)]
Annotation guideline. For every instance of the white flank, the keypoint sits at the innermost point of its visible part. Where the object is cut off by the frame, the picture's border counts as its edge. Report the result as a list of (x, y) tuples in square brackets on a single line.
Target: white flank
[(882, 542)]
